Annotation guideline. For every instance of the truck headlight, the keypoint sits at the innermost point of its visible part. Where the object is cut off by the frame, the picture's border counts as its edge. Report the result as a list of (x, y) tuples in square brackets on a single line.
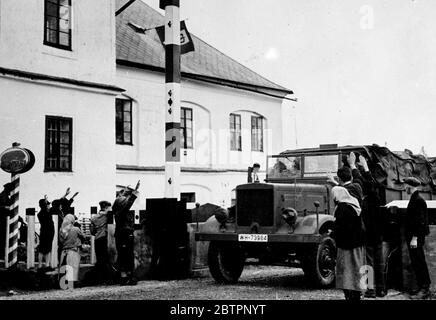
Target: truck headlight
[(290, 216)]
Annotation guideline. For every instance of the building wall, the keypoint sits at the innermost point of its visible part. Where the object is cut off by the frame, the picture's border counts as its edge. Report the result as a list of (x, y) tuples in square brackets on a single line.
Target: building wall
[(24, 105), (220, 169), (93, 40)]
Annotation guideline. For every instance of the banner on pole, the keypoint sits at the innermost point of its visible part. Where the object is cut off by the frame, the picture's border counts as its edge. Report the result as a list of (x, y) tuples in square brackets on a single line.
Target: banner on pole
[(186, 43)]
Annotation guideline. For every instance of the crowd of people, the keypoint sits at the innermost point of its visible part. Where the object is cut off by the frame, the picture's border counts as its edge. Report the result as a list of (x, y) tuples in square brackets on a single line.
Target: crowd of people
[(71, 236), (358, 232)]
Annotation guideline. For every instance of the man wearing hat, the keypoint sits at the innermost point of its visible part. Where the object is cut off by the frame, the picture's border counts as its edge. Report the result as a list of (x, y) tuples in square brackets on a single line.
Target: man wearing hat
[(99, 230), (5, 202), (252, 173), (416, 227), (124, 228)]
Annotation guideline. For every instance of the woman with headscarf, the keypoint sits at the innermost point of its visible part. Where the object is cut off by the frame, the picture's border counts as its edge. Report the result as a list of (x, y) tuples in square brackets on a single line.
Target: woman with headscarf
[(70, 238), (349, 236)]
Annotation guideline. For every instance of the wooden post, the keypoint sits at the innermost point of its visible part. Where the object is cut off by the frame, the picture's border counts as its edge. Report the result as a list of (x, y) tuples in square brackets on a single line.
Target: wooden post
[(93, 257), (111, 245), (92, 241), (54, 247), (30, 219)]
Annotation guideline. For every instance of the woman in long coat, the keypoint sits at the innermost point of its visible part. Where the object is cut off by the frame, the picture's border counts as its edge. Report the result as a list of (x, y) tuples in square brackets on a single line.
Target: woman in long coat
[(47, 232), (349, 236)]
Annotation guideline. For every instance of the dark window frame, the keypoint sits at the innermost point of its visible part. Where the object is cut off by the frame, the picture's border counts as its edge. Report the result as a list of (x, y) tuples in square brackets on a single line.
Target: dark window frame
[(126, 102), (257, 133), (235, 133), (188, 196), (57, 44), (57, 145), (184, 142)]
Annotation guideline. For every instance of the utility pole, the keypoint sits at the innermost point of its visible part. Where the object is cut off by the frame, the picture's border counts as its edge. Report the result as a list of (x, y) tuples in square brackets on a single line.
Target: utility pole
[(172, 97)]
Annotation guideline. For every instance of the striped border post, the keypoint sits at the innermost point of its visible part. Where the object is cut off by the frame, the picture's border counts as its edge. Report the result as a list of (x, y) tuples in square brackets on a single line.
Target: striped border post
[(172, 98), (12, 223)]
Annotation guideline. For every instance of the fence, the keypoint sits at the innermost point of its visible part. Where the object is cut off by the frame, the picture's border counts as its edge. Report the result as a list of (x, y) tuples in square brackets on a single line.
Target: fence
[(29, 250)]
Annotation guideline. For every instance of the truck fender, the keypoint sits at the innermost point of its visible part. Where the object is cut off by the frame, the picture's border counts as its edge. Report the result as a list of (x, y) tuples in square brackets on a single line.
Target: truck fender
[(308, 225)]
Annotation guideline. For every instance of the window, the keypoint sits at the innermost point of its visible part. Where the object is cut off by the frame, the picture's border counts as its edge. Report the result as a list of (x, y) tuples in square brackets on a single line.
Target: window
[(186, 140), (189, 197), (57, 20), (235, 132), (318, 166), (58, 143), (123, 121), (256, 133)]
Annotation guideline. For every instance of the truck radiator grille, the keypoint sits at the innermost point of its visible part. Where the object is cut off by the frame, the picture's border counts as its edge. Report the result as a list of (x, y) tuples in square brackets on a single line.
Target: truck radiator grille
[(255, 205)]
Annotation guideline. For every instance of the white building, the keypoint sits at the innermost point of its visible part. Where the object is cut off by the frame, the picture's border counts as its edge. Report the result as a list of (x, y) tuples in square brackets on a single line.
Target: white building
[(65, 70)]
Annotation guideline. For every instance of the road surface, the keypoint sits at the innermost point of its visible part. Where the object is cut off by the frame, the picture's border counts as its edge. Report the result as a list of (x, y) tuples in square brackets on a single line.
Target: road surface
[(256, 283)]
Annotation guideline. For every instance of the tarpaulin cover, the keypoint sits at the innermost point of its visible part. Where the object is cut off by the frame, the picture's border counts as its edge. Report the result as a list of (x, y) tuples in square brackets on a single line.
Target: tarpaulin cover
[(390, 168)]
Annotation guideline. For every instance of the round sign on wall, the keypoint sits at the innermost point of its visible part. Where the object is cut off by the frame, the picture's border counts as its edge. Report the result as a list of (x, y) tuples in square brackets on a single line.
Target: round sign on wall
[(17, 160)]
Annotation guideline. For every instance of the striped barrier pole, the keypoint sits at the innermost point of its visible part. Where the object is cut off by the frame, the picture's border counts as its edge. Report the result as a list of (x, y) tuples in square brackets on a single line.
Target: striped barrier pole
[(6, 264), (12, 223), (172, 97)]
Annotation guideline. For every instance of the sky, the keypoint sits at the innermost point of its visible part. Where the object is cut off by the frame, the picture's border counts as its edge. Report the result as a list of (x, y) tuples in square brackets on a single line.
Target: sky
[(363, 71)]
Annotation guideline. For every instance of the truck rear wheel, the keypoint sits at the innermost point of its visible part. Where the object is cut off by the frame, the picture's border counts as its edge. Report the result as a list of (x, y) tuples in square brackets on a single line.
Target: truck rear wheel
[(226, 261), (319, 262)]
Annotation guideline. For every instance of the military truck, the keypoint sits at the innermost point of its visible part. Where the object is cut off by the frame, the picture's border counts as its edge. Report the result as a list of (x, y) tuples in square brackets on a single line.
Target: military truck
[(288, 218)]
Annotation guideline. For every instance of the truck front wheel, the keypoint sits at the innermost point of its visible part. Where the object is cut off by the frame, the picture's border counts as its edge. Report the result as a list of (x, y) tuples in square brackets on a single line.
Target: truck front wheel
[(226, 261), (319, 262)]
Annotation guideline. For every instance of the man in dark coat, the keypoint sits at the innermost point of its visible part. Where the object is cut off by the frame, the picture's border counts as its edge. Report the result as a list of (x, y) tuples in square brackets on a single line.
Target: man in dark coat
[(46, 233), (124, 228), (99, 230), (5, 202), (416, 228), (373, 222)]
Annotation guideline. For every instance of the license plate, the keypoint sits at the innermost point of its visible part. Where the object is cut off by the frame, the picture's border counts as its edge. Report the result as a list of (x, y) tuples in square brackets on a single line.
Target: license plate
[(253, 237)]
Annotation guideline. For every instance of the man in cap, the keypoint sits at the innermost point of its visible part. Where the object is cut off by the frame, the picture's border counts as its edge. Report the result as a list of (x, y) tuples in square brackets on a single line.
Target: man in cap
[(252, 173), (124, 228), (5, 202), (416, 227), (99, 231)]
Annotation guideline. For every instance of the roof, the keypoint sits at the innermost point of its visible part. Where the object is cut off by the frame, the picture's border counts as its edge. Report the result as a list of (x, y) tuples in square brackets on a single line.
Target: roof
[(205, 63)]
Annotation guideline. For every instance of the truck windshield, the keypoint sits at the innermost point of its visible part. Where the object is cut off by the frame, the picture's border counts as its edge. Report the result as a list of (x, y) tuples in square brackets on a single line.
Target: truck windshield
[(320, 165), (284, 167)]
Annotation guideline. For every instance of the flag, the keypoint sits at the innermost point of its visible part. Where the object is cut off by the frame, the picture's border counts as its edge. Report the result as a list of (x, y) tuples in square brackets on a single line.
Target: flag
[(186, 43)]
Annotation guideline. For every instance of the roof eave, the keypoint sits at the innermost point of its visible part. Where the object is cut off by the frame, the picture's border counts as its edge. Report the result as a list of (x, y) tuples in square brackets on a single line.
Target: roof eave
[(281, 93)]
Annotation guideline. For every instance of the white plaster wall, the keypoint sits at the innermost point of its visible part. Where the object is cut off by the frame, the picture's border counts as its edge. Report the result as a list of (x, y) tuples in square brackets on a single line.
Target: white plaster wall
[(23, 107), (93, 40), (212, 106), (212, 187)]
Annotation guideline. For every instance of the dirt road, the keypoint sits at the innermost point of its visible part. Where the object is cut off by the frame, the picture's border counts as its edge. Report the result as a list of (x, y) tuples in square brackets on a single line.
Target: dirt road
[(256, 283)]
